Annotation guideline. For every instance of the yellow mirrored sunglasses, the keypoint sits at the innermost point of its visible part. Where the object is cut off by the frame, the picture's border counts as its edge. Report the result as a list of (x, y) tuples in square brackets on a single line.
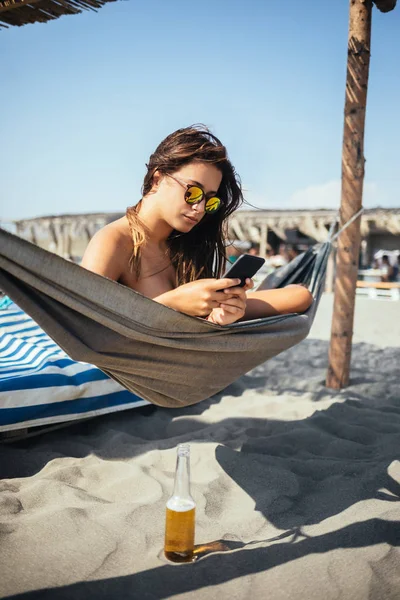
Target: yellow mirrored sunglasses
[(194, 194)]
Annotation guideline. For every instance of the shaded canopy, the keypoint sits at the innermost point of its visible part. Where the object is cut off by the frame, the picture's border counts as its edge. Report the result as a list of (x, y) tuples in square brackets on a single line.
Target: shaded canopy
[(385, 5), (22, 12)]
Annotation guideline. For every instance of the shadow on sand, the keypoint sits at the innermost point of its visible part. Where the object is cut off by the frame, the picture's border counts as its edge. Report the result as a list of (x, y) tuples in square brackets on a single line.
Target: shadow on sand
[(168, 581), (299, 472)]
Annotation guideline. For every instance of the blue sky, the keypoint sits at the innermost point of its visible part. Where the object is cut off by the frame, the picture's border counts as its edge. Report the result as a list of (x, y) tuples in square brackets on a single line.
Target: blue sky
[(87, 98)]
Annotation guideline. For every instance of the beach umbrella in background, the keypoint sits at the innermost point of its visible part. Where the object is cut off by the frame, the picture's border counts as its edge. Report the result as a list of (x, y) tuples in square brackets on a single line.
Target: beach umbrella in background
[(359, 44), (22, 12)]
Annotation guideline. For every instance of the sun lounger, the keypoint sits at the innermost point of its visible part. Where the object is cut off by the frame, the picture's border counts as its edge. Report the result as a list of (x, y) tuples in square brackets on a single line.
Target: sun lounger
[(41, 385), (379, 289)]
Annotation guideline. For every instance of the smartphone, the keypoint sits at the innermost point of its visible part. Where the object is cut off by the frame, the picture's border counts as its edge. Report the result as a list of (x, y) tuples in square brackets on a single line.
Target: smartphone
[(245, 266)]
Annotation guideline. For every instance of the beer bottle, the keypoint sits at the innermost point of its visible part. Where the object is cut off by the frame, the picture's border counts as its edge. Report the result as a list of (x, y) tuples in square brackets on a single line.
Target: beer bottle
[(180, 513)]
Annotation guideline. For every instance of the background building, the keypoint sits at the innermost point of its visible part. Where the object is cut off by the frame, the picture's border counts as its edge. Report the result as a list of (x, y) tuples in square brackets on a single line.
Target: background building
[(68, 235)]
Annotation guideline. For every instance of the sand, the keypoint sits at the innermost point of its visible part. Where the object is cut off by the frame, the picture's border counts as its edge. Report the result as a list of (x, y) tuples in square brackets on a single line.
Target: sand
[(297, 485)]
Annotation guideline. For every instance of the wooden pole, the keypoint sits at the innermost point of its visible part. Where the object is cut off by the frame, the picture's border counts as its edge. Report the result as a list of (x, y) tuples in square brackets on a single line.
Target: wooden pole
[(330, 274), (352, 188), (263, 239)]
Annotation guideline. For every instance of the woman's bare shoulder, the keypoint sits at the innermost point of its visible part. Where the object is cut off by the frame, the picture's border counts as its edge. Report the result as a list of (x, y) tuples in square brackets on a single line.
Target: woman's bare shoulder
[(109, 250), (116, 232)]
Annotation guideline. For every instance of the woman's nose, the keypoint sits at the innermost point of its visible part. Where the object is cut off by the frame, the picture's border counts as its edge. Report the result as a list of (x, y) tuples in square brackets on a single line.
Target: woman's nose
[(200, 207)]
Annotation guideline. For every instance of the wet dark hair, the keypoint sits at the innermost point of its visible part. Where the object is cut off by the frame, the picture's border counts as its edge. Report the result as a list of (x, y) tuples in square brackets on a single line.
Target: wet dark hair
[(199, 253)]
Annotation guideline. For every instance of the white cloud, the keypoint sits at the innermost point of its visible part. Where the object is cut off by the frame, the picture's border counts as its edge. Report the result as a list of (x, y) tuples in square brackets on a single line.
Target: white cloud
[(327, 195)]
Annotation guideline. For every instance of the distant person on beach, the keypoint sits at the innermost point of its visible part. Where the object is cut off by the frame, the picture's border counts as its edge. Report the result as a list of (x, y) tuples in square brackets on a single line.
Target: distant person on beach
[(280, 258), (292, 252), (170, 245), (389, 273), (254, 249)]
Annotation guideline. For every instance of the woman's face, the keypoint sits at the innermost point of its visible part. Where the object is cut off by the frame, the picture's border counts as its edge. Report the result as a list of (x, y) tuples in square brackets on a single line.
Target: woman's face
[(174, 210)]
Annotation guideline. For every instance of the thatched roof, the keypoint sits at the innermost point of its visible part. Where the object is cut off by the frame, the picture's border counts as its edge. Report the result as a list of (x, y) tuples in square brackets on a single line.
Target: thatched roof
[(69, 234), (22, 12), (385, 5), (248, 224)]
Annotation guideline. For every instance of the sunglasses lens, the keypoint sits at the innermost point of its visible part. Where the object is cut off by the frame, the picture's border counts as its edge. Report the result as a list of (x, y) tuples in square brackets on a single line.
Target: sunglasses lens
[(213, 204), (193, 195)]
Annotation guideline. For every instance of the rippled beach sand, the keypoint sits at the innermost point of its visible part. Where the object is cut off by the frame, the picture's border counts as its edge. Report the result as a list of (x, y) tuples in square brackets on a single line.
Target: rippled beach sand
[(297, 486)]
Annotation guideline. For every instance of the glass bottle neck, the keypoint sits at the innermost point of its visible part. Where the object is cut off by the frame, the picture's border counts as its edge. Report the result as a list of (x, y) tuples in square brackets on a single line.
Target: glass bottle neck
[(182, 475)]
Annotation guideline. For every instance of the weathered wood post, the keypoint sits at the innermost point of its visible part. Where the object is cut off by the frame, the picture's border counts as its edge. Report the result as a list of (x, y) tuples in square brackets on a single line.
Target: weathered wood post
[(263, 239), (352, 187), (330, 274)]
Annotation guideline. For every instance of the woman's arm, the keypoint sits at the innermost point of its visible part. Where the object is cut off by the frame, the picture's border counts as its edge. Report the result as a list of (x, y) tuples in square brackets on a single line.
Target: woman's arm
[(266, 303), (199, 298)]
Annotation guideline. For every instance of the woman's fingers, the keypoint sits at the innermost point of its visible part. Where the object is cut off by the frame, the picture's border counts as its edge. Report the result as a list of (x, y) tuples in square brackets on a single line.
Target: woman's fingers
[(223, 296), (215, 304), (221, 284), (233, 310), (235, 301), (238, 292), (249, 284), (218, 301)]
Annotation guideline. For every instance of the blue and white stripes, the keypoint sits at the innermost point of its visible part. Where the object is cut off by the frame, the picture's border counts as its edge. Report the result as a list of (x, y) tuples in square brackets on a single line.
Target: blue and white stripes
[(41, 385)]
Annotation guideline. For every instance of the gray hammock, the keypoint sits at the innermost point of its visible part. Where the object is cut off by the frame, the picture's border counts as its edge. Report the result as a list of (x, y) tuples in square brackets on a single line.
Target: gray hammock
[(164, 356)]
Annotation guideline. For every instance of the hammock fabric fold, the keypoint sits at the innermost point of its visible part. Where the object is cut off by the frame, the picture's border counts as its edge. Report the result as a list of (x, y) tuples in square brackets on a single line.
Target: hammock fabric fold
[(162, 355)]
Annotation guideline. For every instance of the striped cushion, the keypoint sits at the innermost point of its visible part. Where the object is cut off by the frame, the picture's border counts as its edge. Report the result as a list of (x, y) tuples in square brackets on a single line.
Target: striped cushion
[(40, 384)]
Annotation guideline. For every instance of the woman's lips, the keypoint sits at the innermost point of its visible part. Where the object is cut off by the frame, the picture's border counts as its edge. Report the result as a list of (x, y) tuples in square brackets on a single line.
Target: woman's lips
[(192, 219)]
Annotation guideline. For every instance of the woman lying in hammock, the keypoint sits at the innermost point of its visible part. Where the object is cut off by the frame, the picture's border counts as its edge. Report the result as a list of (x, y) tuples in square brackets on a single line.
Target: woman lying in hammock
[(170, 246)]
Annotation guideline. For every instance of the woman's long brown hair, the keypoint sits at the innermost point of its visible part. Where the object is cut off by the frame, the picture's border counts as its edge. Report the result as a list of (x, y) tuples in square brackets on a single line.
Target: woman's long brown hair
[(199, 253)]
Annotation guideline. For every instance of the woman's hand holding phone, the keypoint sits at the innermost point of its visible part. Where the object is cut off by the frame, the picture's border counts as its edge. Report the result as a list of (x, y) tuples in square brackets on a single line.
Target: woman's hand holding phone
[(233, 307), (199, 298), (221, 301)]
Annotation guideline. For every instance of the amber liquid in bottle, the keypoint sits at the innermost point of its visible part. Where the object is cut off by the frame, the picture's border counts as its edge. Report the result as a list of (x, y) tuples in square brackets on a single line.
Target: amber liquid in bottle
[(180, 513)]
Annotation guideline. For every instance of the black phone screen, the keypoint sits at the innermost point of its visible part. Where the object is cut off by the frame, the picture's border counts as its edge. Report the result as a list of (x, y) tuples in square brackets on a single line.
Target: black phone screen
[(246, 266)]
